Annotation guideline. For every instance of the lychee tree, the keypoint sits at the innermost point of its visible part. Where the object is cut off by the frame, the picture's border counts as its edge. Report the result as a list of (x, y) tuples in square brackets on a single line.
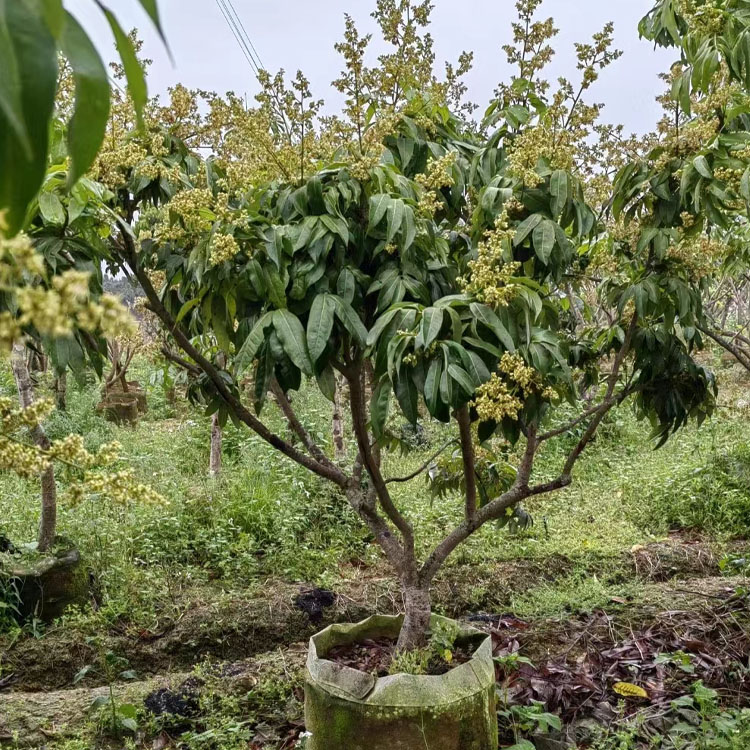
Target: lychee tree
[(435, 275)]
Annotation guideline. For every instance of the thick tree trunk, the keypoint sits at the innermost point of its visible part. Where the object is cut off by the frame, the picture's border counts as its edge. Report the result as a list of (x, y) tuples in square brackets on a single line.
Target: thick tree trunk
[(418, 607), (48, 520), (337, 424), (61, 392), (216, 439)]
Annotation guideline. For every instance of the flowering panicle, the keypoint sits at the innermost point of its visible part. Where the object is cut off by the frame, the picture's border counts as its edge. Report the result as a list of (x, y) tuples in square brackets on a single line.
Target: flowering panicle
[(491, 275), (503, 394), (55, 310), (91, 472), (439, 175)]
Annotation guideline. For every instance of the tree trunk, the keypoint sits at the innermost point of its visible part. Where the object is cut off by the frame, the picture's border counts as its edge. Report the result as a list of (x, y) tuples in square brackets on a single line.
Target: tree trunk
[(61, 392), (337, 426), (418, 609), (48, 520), (216, 438)]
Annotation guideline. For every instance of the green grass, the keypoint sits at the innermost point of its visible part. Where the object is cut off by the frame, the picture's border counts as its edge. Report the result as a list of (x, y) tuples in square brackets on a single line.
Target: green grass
[(266, 516), (265, 519)]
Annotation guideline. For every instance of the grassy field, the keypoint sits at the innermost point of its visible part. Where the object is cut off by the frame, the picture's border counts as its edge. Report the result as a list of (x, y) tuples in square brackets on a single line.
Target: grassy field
[(212, 576)]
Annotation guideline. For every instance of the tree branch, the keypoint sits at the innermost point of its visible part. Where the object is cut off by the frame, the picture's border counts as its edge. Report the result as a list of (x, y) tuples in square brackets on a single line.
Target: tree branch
[(359, 426), (469, 461), (737, 353), (172, 357), (296, 425), (332, 473), (426, 465)]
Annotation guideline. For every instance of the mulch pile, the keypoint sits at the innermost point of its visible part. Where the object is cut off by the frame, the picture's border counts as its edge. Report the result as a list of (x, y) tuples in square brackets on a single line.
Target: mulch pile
[(375, 655), (577, 662)]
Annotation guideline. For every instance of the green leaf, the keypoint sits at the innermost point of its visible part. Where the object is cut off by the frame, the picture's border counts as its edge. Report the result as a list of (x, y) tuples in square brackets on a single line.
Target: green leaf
[(476, 368), (346, 285), (99, 702), (252, 344), (151, 7), (275, 286), (320, 325), (745, 185), (703, 168), (380, 325), (461, 377), (544, 240), (560, 190), (327, 383), (526, 227), (487, 316), (11, 107), (89, 121), (186, 308), (292, 337), (432, 386), (130, 724), (396, 213), (379, 406), (81, 673), (336, 225), (219, 322), (406, 393), (432, 322), (378, 207), (28, 82), (52, 209), (134, 73), (54, 16), (350, 320), (410, 228)]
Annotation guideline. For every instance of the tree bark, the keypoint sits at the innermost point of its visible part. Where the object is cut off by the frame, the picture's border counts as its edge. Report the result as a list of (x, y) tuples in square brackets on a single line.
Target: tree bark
[(337, 422), (418, 608), (48, 520), (216, 440), (61, 392)]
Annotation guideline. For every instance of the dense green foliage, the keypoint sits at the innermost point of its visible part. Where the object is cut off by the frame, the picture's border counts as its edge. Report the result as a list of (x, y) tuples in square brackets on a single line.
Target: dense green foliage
[(32, 35)]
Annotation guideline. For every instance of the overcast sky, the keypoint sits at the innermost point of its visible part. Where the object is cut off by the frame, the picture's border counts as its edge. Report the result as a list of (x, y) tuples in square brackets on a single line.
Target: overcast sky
[(300, 34)]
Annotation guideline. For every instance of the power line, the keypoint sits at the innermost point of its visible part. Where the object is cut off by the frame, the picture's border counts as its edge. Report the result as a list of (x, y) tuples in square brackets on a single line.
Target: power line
[(237, 37), (240, 35), (246, 35)]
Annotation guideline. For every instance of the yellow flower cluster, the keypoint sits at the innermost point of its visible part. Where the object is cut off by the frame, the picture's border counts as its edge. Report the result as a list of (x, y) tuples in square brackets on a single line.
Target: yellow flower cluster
[(25, 460), (495, 401), (59, 310), (158, 279), (115, 162), (705, 17), (439, 175), (700, 256), (29, 460), (361, 165), (224, 247), (513, 365), (12, 417), (534, 144), (682, 138), (502, 395), (120, 487), (490, 275), (17, 259), (71, 450), (56, 310)]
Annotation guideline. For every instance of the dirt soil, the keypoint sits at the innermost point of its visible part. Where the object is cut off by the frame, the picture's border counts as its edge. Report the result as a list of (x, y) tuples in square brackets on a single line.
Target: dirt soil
[(247, 640)]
